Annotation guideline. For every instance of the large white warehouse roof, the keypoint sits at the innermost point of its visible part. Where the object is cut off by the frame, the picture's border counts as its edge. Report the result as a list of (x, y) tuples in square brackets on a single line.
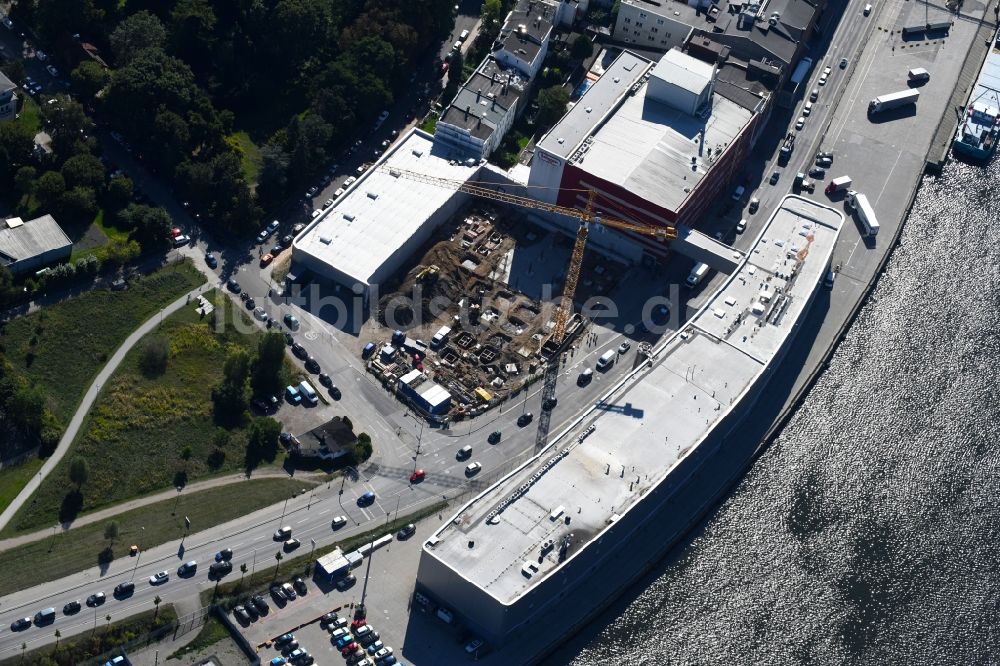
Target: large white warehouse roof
[(381, 212)]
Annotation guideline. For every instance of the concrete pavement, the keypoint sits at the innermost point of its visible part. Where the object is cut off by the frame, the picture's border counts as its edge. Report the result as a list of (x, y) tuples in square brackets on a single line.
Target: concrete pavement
[(88, 400)]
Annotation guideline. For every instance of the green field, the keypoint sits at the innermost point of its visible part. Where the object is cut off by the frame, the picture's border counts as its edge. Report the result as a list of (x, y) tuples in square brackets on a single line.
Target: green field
[(161, 429), (61, 347), (30, 115), (77, 549)]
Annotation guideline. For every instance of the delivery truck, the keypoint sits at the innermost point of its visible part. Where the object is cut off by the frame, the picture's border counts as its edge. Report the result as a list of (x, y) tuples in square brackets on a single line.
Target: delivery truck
[(839, 184), (893, 100)]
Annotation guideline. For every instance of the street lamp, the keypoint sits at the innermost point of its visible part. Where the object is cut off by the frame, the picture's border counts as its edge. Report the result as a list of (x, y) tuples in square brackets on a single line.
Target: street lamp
[(138, 556), (177, 501), (280, 520)]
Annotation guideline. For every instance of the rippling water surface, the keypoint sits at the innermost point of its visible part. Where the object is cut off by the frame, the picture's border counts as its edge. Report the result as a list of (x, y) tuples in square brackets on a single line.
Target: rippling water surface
[(869, 532)]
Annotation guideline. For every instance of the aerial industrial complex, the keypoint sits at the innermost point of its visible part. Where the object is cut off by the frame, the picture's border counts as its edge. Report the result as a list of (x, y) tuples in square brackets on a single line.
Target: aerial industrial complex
[(511, 554)]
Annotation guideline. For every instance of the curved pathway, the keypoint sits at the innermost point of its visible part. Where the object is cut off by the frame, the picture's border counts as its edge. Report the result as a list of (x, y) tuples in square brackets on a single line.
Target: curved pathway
[(88, 400)]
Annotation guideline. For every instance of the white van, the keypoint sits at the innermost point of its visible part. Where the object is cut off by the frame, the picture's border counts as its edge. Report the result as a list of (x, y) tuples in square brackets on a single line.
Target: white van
[(441, 336), (918, 75), (697, 274), (807, 108), (308, 392), (464, 36), (607, 359)]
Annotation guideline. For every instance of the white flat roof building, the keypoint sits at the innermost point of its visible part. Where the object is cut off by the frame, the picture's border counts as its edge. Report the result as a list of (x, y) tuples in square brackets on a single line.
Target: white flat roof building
[(365, 237), (510, 554)]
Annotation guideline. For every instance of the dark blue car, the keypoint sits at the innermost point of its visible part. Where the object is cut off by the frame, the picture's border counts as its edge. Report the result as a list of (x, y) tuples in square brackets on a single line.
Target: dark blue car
[(366, 499)]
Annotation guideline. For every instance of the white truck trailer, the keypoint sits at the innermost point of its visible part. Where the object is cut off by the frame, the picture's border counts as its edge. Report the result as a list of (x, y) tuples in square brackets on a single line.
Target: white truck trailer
[(859, 202), (893, 100)]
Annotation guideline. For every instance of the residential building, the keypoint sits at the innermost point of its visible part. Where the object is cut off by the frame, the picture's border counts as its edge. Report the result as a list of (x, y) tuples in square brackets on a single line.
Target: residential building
[(650, 24)]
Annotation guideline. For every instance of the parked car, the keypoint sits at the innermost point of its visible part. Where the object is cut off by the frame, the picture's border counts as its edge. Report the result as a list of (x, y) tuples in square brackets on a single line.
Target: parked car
[(233, 285), (375, 647), (291, 321), (346, 582), (289, 591), (261, 237), (325, 380), (266, 259), (312, 365), (251, 610), (261, 605), (278, 594), (283, 639), (473, 468), (800, 123), (241, 615), (53, 72), (299, 585), (181, 240), (408, 530), (300, 351), (754, 205), (624, 347), (211, 260), (741, 226), (293, 395)]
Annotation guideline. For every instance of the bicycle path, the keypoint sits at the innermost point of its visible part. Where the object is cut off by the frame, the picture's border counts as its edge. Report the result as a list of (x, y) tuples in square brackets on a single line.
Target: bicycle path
[(88, 400)]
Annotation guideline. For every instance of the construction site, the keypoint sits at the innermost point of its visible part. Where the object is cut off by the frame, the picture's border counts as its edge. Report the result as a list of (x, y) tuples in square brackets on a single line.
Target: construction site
[(471, 322)]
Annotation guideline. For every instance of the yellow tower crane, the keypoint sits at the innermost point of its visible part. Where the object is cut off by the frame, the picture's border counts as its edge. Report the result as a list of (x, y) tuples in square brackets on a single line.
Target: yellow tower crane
[(586, 217)]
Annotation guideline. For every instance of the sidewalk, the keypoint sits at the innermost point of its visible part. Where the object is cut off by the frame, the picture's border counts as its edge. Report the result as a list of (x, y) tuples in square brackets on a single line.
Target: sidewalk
[(111, 511), (88, 400)]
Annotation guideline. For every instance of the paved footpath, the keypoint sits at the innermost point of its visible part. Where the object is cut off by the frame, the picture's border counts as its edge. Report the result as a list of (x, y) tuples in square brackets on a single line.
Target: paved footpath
[(88, 400), (118, 509)]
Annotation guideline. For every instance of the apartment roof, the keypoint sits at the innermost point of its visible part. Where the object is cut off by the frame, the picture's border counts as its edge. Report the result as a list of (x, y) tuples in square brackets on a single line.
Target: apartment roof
[(485, 98)]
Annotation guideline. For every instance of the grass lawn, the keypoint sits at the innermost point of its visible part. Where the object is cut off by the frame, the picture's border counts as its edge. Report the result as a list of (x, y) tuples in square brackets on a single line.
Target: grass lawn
[(61, 347), (430, 123), (12, 479), (152, 422), (77, 549), (250, 158), (104, 637), (30, 115)]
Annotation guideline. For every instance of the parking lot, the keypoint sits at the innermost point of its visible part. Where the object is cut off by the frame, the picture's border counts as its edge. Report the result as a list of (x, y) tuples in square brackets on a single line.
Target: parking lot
[(390, 586)]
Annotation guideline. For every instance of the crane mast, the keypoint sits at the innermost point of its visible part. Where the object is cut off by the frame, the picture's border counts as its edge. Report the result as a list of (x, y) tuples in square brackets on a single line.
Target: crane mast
[(587, 216)]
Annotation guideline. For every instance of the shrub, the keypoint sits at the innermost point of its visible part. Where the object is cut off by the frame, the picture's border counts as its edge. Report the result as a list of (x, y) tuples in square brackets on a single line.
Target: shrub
[(155, 354)]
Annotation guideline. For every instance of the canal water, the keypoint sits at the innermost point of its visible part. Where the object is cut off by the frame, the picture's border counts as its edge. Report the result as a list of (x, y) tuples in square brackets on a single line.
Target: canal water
[(869, 532)]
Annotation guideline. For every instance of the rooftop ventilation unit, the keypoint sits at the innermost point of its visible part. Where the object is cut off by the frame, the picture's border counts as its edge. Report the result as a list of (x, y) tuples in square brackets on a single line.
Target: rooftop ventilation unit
[(373, 195), (418, 153), (349, 217), (395, 173)]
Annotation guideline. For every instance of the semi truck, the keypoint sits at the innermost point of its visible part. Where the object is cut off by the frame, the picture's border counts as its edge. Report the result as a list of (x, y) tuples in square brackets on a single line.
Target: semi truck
[(893, 100), (859, 202)]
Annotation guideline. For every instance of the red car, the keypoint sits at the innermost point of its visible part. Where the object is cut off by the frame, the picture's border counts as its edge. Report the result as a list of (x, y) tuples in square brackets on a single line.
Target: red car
[(349, 648), (417, 476), (175, 232), (358, 623)]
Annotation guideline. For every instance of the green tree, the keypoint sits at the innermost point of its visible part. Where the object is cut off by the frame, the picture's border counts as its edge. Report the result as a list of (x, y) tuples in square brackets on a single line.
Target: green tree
[(267, 366), (120, 251), (119, 193), (582, 48), (111, 531), (230, 396), (262, 441), (140, 31), (50, 187), (150, 225), (24, 179), (83, 171), (67, 122), (492, 16), (243, 572), (79, 204), (154, 356), (88, 79), (552, 105), (156, 604), (455, 68), (79, 471), (278, 557)]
